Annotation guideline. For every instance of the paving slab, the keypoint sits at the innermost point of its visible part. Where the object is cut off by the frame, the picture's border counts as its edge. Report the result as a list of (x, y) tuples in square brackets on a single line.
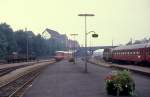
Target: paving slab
[(65, 79)]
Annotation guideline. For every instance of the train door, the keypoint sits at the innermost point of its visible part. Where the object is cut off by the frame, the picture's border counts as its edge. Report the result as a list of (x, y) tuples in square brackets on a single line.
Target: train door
[(142, 54), (147, 57)]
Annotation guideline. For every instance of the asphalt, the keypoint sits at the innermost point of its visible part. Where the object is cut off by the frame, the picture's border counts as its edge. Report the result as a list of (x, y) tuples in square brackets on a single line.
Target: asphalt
[(65, 79)]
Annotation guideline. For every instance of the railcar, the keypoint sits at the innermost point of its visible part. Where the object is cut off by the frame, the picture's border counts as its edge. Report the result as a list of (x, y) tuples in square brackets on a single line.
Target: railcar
[(13, 58), (60, 55), (131, 53), (136, 53)]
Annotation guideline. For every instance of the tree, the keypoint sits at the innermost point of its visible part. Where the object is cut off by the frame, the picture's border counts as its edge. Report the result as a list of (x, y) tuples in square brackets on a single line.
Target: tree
[(7, 40)]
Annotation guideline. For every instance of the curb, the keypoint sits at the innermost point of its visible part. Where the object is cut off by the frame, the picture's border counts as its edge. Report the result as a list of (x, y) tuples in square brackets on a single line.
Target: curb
[(120, 67)]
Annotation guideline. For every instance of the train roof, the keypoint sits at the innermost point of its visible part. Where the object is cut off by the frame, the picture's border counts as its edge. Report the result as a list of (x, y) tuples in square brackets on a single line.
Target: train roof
[(63, 52), (134, 46)]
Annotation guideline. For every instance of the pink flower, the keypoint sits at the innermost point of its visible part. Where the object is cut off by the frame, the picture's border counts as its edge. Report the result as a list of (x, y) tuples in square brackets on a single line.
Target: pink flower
[(108, 77)]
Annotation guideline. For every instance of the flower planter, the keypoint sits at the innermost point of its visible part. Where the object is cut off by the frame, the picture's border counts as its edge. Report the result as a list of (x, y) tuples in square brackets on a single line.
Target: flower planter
[(120, 83)]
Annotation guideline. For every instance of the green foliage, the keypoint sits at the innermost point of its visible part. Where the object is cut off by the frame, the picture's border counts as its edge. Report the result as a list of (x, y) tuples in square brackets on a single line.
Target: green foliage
[(120, 83), (17, 41), (7, 40)]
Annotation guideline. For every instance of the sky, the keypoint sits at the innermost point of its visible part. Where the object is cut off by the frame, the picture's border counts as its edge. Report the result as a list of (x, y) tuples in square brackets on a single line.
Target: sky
[(117, 20)]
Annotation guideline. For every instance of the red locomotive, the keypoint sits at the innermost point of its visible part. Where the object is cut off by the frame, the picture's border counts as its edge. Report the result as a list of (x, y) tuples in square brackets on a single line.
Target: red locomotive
[(136, 53), (60, 55)]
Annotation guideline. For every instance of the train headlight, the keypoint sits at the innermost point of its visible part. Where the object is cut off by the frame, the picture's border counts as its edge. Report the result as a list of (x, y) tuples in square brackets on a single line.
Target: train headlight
[(139, 57)]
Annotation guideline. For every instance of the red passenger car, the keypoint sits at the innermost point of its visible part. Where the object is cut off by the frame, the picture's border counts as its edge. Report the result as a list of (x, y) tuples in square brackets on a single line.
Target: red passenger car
[(132, 53), (135, 53)]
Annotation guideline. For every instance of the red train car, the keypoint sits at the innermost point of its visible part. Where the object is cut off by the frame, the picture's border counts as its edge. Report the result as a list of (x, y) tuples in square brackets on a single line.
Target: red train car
[(60, 55), (135, 53), (132, 53)]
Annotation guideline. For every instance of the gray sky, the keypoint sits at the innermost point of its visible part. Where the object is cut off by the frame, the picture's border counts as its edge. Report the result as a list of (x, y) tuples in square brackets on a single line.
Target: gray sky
[(119, 20)]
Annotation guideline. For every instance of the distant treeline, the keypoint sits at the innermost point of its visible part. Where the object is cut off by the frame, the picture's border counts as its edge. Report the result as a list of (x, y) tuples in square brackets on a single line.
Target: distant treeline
[(18, 41)]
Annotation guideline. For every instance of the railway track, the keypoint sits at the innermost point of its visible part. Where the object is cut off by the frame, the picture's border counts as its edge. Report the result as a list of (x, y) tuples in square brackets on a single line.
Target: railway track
[(8, 70), (14, 88), (4, 71)]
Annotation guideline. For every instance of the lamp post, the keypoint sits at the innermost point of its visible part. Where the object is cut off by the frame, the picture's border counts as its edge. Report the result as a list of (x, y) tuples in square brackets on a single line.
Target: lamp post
[(74, 46), (85, 17), (94, 35), (27, 53)]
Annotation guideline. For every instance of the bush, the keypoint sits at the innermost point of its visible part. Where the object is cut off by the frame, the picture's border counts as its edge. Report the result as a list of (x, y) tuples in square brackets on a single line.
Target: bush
[(120, 83)]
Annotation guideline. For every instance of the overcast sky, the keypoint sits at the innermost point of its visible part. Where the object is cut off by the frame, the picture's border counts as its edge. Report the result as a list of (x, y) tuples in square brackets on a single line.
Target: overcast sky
[(119, 20)]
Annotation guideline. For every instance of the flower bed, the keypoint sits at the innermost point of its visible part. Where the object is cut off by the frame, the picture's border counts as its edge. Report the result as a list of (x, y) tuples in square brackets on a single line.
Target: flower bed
[(120, 83)]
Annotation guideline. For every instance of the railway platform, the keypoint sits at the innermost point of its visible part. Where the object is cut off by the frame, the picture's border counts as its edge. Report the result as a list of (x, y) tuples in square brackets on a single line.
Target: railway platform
[(65, 79), (135, 68)]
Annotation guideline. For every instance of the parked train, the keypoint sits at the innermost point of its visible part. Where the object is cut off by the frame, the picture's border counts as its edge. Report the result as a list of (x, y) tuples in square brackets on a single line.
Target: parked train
[(60, 55), (136, 53), (13, 58)]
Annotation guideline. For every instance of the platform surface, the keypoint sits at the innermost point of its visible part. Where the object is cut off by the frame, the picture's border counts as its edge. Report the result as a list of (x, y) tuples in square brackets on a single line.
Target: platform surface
[(65, 79)]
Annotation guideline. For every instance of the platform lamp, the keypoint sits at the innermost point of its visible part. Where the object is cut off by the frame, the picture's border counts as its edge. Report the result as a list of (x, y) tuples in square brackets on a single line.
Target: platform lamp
[(85, 17)]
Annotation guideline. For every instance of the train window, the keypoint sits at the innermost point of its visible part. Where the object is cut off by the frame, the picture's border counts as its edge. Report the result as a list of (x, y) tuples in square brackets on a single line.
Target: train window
[(125, 53), (135, 52)]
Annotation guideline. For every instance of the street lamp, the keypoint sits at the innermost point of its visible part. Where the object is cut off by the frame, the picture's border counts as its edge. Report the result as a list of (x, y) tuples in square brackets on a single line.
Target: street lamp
[(94, 35), (85, 16), (74, 46)]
